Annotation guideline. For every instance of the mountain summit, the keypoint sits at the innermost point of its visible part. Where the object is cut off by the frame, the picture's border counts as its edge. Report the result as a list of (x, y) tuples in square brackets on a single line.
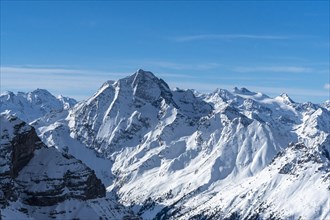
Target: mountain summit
[(179, 154)]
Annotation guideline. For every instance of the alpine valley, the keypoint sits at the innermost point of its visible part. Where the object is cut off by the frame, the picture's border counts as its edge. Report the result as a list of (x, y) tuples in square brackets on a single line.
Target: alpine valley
[(137, 149)]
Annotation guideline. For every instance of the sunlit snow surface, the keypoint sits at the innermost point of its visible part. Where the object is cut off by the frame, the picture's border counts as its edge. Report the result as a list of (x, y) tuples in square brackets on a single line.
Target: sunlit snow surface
[(174, 154)]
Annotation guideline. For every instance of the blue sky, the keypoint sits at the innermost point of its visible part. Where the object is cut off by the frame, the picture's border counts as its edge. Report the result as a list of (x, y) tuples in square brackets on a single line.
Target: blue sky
[(72, 47)]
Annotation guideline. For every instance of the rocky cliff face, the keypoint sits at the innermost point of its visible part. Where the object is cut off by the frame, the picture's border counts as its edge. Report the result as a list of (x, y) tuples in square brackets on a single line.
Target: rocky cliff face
[(18, 143), (51, 177), (37, 175)]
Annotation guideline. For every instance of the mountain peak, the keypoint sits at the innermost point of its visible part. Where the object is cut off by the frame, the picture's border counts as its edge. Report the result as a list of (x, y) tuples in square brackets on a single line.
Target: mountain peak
[(141, 72), (243, 91), (146, 85), (286, 98), (41, 91), (140, 76)]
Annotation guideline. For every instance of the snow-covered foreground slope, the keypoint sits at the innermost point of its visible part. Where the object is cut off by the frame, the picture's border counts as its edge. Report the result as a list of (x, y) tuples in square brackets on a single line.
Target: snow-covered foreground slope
[(172, 154), (294, 185), (42, 183)]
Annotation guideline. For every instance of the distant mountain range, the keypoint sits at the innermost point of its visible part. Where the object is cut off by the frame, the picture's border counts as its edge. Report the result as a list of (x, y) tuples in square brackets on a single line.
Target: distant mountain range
[(138, 150)]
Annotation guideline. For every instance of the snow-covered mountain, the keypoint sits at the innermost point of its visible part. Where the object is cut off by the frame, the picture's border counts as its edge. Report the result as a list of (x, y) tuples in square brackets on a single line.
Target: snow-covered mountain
[(179, 154), (32, 105)]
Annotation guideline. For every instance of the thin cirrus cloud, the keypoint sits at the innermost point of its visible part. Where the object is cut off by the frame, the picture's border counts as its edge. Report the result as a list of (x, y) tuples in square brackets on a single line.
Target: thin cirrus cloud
[(327, 86), (71, 82), (181, 66), (50, 70), (43, 71), (274, 69), (230, 37)]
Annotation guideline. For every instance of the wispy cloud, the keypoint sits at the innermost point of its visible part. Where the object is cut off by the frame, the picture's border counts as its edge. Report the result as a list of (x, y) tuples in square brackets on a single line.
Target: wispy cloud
[(75, 83), (273, 69), (230, 37), (199, 86), (180, 66), (176, 75), (327, 86), (54, 71), (28, 70)]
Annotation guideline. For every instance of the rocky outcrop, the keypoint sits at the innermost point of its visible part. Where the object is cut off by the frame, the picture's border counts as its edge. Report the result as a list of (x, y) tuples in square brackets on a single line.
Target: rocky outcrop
[(23, 147), (16, 152), (38, 175), (60, 177)]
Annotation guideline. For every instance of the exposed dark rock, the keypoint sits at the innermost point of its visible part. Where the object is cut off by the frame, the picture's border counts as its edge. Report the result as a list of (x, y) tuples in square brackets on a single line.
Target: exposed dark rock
[(38, 175), (287, 168), (23, 146)]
